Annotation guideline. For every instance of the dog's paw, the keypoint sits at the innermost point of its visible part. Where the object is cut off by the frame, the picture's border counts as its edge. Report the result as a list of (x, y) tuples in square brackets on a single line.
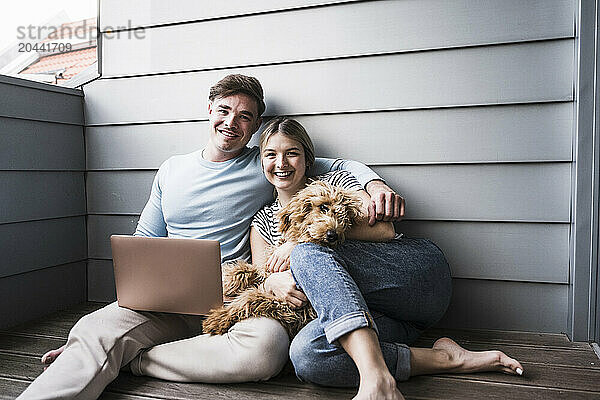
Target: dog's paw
[(239, 276)]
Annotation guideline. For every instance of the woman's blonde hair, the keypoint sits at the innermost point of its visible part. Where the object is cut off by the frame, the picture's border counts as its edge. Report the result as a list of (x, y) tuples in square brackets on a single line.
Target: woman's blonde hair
[(292, 129)]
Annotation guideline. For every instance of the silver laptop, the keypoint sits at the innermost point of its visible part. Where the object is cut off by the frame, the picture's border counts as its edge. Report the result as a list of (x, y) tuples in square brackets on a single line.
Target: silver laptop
[(166, 274)]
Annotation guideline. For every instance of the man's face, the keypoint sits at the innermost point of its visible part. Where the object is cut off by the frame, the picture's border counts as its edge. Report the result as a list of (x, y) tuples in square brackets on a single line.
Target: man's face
[(233, 120)]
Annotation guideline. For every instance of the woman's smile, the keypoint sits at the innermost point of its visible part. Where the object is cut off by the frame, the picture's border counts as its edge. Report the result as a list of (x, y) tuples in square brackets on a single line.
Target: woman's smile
[(284, 163), (283, 174)]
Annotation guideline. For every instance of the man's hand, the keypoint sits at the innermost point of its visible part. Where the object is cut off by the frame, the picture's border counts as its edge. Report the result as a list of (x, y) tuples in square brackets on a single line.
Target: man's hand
[(280, 259), (283, 286), (385, 204)]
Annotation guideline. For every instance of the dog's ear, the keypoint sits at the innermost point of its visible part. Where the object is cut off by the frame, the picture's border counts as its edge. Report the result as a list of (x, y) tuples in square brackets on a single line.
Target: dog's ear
[(284, 219), (291, 212)]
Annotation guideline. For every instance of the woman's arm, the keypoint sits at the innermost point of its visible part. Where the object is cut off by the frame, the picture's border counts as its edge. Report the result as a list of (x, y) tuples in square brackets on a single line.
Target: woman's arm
[(380, 232), (258, 247), (280, 284)]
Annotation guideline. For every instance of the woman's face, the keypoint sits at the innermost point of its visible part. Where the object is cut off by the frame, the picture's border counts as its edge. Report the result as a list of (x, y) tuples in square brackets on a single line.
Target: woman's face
[(283, 163)]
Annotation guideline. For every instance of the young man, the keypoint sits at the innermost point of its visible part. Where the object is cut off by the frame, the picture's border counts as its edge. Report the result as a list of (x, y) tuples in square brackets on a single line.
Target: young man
[(209, 194)]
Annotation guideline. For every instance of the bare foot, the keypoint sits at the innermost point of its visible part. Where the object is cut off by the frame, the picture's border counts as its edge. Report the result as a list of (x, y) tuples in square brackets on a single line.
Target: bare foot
[(378, 387), (464, 361), (50, 356)]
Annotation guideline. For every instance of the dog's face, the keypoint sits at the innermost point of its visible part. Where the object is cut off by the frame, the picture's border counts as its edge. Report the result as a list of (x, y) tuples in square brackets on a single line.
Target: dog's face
[(320, 213)]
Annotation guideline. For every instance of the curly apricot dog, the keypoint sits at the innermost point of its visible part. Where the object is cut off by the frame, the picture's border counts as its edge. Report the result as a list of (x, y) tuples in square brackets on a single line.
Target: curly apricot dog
[(320, 213)]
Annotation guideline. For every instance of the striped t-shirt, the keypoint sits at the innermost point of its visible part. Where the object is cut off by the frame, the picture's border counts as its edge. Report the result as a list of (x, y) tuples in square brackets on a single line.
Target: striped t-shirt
[(265, 221)]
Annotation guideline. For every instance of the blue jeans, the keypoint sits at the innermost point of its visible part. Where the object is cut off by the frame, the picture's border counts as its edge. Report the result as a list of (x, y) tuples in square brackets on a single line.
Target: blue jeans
[(398, 288)]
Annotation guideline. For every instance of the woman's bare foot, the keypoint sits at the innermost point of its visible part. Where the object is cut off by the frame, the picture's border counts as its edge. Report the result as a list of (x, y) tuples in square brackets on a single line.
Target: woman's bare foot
[(50, 356), (378, 386), (464, 361)]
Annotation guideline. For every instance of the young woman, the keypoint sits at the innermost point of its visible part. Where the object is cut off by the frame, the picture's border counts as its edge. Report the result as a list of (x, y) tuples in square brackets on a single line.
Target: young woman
[(373, 296)]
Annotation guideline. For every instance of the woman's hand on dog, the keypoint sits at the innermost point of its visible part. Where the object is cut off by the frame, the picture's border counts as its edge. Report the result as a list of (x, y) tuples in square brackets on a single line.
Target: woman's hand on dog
[(280, 259), (283, 286)]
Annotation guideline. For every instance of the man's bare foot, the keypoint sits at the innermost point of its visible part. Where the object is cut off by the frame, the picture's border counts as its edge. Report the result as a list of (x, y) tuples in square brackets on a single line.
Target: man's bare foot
[(464, 361), (378, 386), (50, 356)]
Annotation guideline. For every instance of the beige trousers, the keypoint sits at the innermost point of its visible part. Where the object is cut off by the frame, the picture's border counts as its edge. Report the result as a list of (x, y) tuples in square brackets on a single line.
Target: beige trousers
[(255, 349), (104, 341)]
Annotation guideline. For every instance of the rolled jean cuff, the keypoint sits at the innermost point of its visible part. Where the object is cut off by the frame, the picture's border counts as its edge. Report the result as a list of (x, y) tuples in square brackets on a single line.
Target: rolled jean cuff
[(403, 364), (348, 323)]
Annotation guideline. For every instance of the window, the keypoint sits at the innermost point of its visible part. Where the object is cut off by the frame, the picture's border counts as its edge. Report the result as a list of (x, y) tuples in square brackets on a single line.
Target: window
[(52, 42)]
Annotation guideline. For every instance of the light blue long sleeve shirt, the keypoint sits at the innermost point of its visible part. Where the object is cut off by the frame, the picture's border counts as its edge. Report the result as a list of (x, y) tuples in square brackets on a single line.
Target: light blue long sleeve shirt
[(195, 198)]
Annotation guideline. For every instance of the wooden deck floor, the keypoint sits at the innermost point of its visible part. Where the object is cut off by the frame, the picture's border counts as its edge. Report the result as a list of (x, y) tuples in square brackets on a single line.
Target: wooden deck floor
[(554, 369)]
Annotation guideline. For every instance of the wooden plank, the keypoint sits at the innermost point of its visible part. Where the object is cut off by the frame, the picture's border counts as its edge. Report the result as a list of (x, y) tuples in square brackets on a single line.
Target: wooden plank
[(544, 376), (20, 366), (426, 387), (538, 382), (502, 336), (524, 306), (41, 296), (427, 136), (341, 31), (118, 192), (526, 132), (155, 142), (29, 195), (575, 356), (503, 74), (26, 367), (57, 324), (117, 14), (28, 345), (462, 387), (121, 396), (64, 241), (127, 383), (37, 103), (449, 192), (101, 281), (535, 376), (514, 251), (36, 145), (484, 192), (543, 379), (507, 251), (11, 388), (99, 229)]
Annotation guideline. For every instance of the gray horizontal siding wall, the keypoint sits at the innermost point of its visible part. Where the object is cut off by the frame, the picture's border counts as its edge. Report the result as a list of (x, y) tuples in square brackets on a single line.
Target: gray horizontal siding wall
[(465, 107), (42, 218)]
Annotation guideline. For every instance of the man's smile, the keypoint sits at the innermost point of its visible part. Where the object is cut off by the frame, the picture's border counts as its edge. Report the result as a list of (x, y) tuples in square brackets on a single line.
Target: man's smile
[(228, 134)]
